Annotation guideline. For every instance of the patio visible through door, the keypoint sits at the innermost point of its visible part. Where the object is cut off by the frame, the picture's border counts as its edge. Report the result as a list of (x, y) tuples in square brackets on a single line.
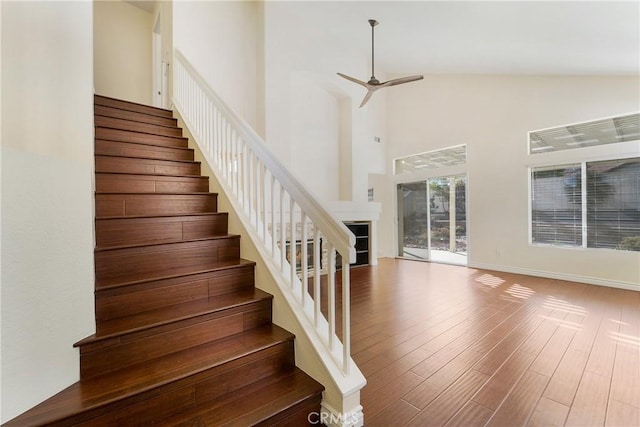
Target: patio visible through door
[(432, 223)]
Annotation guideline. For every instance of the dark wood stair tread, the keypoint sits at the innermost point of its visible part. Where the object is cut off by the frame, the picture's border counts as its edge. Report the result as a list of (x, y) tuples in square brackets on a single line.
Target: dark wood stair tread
[(161, 216), (132, 183), (144, 144), (255, 403), (151, 158), (131, 106), (148, 132), (150, 244), (123, 121), (149, 319), (222, 265), (164, 175), (99, 391), (134, 116), (120, 231), (192, 193)]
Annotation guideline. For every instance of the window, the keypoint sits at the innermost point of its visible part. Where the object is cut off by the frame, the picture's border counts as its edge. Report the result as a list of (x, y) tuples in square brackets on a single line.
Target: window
[(588, 204), (580, 196), (451, 156), (613, 204), (556, 205), (588, 134)]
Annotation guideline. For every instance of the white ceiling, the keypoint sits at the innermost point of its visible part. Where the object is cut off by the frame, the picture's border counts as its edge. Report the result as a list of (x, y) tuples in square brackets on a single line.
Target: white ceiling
[(504, 37), (487, 37), (146, 5)]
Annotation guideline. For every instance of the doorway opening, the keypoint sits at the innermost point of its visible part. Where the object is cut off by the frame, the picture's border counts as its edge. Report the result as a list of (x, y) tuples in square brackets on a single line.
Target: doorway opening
[(432, 220), (160, 82)]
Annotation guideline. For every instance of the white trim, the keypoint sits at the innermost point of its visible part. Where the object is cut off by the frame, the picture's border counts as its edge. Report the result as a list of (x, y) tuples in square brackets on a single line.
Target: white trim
[(583, 196), (583, 203), (615, 116), (423, 175), (560, 276), (332, 418), (620, 150)]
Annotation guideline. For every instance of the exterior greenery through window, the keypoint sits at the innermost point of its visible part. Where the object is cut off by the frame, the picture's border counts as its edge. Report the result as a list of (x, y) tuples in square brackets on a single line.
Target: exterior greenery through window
[(588, 204)]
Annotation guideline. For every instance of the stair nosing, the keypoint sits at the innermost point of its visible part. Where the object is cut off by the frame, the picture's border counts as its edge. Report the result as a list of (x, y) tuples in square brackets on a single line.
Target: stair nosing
[(137, 121), (153, 174), (159, 216), (174, 119), (164, 193), (143, 133), (147, 158), (142, 143), (258, 296), (131, 102), (141, 245), (241, 263)]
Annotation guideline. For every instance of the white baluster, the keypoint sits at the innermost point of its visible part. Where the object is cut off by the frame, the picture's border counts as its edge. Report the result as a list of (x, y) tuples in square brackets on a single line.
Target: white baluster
[(264, 203), (346, 315), (245, 179), (292, 240), (273, 217), (304, 254), (317, 266), (256, 206), (331, 292), (282, 230)]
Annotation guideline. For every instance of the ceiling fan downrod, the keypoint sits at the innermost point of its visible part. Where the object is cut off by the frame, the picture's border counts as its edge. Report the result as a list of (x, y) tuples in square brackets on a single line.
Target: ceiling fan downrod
[(373, 79)]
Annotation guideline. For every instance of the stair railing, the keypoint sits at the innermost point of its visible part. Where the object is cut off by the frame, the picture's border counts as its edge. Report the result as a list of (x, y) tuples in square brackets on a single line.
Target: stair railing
[(288, 221)]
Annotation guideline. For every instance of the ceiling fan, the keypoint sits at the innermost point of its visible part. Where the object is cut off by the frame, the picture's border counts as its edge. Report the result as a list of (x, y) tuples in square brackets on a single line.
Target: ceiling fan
[(374, 84)]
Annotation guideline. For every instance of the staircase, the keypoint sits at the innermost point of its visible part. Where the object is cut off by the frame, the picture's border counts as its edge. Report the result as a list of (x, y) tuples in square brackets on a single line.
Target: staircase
[(183, 337)]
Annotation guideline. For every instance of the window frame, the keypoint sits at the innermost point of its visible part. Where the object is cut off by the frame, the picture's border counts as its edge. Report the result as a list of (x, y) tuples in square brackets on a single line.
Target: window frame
[(582, 155)]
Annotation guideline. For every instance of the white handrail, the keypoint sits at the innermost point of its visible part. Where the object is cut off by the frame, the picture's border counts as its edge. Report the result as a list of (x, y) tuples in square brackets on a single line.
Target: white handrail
[(276, 206)]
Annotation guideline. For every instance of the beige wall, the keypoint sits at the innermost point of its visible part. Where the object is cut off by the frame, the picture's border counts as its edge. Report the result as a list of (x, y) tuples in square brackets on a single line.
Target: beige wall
[(305, 66), (122, 51), (220, 39), (492, 114), (47, 197)]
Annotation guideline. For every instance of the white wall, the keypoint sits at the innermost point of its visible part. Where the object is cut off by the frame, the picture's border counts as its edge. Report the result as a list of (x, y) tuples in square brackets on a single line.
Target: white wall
[(315, 136), (312, 55), (47, 211), (220, 39), (246, 52), (122, 51), (492, 114)]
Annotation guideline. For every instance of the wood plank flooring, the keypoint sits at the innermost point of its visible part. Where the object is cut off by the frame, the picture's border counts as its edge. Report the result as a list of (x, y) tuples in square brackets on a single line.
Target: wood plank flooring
[(447, 345)]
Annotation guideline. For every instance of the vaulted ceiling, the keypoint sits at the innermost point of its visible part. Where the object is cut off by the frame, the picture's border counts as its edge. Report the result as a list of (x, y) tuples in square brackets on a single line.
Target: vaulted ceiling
[(488, 37), (510, 37)]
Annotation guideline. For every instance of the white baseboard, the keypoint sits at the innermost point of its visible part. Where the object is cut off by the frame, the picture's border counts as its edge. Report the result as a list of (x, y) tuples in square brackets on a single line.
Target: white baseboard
[(332, 418), (560, 276)]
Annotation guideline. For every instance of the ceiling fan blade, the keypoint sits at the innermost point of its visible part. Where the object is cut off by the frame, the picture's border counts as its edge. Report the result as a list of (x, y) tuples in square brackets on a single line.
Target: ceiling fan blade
[(360, 82), (400, 81), (367, 96)]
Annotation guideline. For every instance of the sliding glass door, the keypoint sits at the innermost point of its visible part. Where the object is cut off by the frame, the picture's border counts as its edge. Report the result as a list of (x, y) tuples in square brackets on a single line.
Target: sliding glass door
[(432, 223), (413, 222)]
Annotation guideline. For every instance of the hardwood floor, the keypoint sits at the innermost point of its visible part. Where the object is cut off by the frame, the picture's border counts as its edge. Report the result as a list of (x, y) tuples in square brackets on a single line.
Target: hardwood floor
[(446, 345)]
